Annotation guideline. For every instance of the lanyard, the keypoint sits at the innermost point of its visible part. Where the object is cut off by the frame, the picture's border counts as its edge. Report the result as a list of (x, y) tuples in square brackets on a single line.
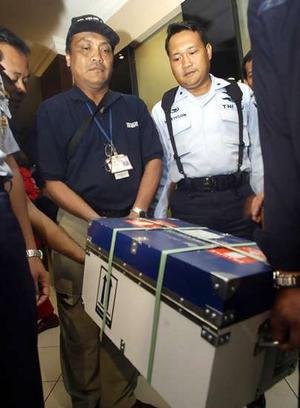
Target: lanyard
[(108, 136)]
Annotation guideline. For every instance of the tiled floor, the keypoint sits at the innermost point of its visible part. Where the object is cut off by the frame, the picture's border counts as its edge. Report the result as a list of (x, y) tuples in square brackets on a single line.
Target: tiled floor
[(283, 395)]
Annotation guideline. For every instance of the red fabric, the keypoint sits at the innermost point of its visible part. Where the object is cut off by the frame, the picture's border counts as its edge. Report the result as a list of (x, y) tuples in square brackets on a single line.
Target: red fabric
[(45, 309), (31, 188)]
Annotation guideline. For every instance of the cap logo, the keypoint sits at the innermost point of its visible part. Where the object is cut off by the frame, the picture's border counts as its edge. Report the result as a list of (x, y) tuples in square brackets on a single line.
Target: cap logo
[(89, 18), (94, 24)]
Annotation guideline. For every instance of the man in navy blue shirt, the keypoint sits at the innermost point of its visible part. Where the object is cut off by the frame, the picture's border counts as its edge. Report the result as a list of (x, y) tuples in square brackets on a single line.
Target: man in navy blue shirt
[(275, 36), (100, 155)]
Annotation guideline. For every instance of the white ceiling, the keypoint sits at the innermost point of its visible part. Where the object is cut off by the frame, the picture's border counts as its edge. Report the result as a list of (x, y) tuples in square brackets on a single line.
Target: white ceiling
[(43, 24)]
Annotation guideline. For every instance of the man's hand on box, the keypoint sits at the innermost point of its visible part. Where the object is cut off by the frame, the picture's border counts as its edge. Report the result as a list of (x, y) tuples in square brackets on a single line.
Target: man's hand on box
[(285, 319)]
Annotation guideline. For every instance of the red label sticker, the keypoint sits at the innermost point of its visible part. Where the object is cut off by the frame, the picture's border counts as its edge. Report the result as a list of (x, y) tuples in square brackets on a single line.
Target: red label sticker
[(142, 223), (236, 256), (162, 223)]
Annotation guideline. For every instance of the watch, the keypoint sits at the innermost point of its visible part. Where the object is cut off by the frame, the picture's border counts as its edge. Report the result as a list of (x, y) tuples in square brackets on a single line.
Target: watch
[(34, 253), (286, 280), (139, 211)]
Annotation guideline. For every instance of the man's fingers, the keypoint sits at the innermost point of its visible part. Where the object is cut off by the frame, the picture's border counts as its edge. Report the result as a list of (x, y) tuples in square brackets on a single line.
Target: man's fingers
[(294, 336), (285, 319), (279, 329), (43, 292), (41, 299)]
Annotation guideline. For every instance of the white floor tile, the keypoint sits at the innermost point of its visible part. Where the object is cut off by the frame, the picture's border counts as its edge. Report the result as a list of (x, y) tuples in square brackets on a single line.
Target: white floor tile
[(281, 396), (50, 363), (278, 397), (58, 397), (49, 338), (47, 388), (293, 380)]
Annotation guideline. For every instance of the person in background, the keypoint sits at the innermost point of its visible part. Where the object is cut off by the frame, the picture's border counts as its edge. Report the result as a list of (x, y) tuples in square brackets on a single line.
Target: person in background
[(47, 232), (23, 277), (220, 184), (16, 91), (47, 319), (221, 181), (248, 69)]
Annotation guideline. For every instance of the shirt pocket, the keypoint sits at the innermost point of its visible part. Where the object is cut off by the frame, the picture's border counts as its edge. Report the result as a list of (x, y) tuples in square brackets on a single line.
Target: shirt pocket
[(230, 122), (181, 129)]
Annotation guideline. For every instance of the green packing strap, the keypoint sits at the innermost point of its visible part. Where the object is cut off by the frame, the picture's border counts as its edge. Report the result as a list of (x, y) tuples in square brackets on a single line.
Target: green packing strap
[(232, 247), (154, 226), (110, 264), (164, 254), (159, 285)]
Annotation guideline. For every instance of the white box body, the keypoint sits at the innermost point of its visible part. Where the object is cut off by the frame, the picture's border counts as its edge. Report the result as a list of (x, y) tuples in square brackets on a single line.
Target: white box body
[(187, 370)]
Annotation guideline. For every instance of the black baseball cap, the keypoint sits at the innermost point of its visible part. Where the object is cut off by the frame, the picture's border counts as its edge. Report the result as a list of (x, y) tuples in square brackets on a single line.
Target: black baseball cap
[(93, 24)]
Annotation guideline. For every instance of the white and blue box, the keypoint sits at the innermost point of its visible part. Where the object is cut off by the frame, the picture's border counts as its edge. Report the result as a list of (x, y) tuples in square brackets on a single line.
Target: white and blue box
[(188, 307)]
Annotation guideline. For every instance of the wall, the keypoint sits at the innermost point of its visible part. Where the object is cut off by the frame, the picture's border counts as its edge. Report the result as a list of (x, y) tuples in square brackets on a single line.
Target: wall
[(57, 78), (24, 118), (242, 6), (137, 19), (135, 22), (152, 63)]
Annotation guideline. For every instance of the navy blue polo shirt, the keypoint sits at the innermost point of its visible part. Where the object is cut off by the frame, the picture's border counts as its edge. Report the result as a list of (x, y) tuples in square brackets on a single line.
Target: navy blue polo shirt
[(133, 134)]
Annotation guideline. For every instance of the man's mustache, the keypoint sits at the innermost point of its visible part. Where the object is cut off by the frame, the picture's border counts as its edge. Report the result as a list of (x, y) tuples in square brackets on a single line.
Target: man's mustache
[(96, 65)]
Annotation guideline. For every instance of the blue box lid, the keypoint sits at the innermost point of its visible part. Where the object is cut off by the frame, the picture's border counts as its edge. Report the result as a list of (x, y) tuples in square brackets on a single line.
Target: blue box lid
[(219, 281)]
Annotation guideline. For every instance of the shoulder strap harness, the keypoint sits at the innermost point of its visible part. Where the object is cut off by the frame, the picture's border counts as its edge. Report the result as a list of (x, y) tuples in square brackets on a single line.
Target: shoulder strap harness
[(235, 93)]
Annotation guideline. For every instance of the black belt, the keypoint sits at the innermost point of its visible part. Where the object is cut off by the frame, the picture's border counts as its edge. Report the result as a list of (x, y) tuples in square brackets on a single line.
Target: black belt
[(113, 213), (214, 183)]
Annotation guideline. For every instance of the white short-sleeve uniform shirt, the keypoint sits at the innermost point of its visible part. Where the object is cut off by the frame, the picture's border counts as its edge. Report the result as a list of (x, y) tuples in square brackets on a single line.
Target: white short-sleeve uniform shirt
[(206, 132)]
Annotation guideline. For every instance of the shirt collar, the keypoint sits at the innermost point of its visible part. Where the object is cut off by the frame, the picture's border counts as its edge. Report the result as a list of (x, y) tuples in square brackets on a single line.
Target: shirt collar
[(110, 97), (219, 83), (216, 84)]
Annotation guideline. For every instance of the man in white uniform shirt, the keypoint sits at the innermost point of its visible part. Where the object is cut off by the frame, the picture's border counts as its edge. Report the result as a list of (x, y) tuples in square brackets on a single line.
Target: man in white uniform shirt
[(213, 190)]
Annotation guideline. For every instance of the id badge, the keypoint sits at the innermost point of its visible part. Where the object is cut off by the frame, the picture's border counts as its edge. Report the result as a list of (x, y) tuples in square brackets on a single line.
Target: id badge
[(120, 163), (121, 174)]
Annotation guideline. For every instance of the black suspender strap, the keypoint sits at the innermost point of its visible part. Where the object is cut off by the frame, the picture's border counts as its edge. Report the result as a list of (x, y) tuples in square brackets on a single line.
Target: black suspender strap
[(235, 93), (166, 104), (74, 141), (76, 138)]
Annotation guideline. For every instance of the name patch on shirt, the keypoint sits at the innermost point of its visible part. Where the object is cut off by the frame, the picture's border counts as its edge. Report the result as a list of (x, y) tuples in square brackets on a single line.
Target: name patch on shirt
[(132, 124), (228, 105), (181, 115)]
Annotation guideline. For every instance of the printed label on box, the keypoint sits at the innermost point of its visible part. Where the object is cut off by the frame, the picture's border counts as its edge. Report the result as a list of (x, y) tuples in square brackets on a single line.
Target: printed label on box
[(238, 257), (143, 223), (201, 234), (112, 291)]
